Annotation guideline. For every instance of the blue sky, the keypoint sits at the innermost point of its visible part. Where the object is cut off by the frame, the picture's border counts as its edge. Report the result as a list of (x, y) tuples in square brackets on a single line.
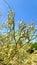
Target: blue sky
[(26, 9)]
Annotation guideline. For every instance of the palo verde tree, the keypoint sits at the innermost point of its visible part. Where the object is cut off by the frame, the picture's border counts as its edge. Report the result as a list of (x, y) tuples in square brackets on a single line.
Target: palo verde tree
[(13, 50), (24, 32)]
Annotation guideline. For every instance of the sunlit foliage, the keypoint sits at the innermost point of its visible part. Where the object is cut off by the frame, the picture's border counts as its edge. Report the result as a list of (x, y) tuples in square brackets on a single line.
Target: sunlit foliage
[(16, 47)]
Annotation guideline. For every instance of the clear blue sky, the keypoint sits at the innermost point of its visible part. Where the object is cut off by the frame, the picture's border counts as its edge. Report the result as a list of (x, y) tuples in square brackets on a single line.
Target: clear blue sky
[(26, 9)]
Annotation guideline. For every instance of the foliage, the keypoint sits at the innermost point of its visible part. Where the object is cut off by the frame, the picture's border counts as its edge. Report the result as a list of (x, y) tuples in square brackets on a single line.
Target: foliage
[(16, 46), (34, 46)]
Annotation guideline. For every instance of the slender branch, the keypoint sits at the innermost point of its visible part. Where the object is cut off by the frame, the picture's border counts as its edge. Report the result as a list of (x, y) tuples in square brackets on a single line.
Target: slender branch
[(7, 4)]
